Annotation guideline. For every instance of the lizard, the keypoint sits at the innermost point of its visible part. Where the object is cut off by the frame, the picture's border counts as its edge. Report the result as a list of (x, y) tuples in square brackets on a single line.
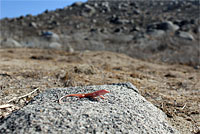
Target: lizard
[(92, 95)]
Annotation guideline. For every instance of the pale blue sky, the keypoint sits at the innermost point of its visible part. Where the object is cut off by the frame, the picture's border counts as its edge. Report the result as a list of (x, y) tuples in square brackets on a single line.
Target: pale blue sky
[(16, 8)]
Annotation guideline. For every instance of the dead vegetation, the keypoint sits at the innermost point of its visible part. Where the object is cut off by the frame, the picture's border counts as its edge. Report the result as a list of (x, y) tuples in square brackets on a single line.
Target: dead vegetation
[(175, 89)]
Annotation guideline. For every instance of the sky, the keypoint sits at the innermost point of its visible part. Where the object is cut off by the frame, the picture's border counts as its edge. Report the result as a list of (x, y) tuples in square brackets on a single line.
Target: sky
[(16, 8)]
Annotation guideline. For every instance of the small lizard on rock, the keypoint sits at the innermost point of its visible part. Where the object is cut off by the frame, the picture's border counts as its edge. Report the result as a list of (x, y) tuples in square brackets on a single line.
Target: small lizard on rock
[(92, 95)]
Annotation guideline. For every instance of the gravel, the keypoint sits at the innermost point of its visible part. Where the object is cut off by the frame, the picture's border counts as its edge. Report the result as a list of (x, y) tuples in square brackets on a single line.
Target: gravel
[(123, 110)]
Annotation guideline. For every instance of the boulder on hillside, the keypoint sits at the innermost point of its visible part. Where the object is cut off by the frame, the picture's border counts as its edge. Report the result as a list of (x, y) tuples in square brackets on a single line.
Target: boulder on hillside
[(185, 35), (50, 35), (55, 45), (166, 26), (33, 24), (89, 10), (156, 33), (77, 4), (123, 110), (9, 43)]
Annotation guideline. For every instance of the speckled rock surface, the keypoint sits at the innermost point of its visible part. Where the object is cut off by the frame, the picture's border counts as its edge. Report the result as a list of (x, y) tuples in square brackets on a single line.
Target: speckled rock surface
[(123, 111)]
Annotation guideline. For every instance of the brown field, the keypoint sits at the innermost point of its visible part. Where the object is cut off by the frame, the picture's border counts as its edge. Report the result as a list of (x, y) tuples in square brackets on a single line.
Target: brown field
[(173, 88)]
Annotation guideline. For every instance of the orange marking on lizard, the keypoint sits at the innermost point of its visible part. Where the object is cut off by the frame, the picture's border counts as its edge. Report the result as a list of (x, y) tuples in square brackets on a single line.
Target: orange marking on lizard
[(88, 95)]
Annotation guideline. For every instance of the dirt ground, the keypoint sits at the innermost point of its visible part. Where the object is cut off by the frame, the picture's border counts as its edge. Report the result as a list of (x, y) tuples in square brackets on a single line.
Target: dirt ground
[(175, 89)]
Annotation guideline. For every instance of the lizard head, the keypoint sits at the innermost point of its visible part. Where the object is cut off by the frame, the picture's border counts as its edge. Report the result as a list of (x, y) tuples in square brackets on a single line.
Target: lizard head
[(102, 92)]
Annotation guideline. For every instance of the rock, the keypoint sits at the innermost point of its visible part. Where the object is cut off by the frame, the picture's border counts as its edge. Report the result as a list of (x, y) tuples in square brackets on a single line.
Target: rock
[(94, 21), (123, 21), (77, 4), (9, 43), (131, 21), (184, 22), (29, 16), (120, 29), (50, 35), (136, 11), (33, 24), (46, 11), (185, 35), (106, 6), (156, 33), (123, 6), (123, 111), (117, 30), (116, 20), (96, 5), (55, 23), (185, 28), (89, 9), (70, 49), (152, 26), (135, 28), (196, 30), (55, 45), (167, 26), (78, 26), (134, 4), (20, 17), (185, 25), (47, 33)]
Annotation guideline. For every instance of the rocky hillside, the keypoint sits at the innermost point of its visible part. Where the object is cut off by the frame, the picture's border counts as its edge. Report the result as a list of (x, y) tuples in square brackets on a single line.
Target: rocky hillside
[(152, 30)]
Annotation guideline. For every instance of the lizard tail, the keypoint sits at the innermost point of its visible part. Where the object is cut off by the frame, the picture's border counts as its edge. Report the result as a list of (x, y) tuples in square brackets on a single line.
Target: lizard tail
[(71, 95)]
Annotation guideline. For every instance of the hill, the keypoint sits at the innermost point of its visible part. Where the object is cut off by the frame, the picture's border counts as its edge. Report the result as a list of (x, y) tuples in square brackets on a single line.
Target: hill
[(166, 31)]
